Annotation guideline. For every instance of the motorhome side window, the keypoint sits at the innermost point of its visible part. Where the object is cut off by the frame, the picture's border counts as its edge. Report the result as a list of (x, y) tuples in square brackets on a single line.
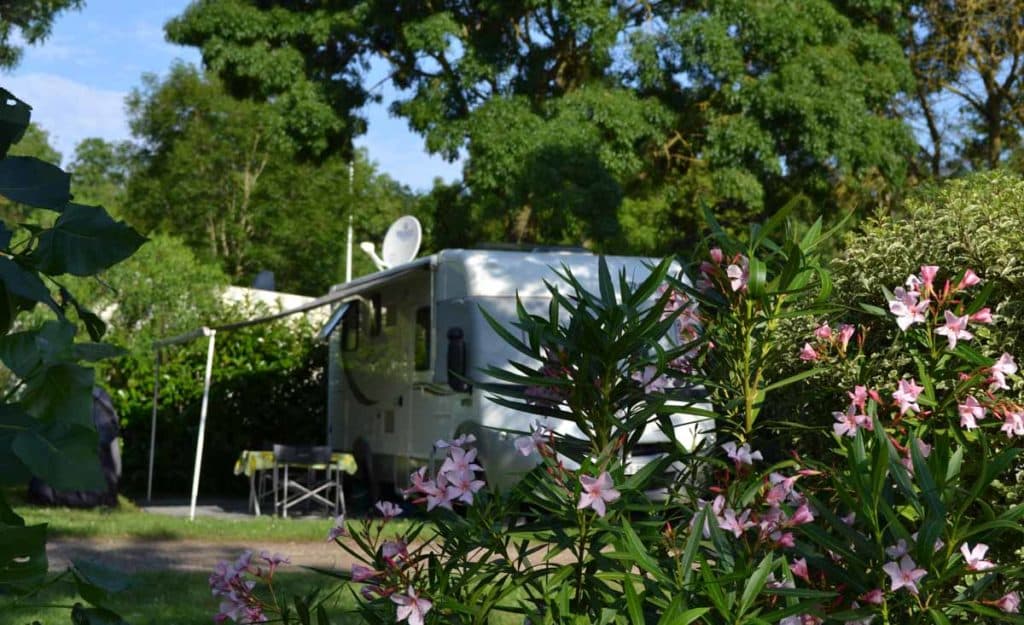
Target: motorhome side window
[(423, 338), (350, 328), (376, 315)]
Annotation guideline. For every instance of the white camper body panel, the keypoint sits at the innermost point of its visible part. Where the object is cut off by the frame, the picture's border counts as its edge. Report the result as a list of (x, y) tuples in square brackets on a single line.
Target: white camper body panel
[(388, 379)]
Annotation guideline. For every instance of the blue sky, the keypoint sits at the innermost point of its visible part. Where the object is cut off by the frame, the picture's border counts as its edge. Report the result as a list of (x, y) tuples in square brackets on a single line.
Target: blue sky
[(77, 80)]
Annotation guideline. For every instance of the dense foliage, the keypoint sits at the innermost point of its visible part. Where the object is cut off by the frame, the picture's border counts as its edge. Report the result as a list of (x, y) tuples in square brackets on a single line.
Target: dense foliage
[(28, 22), (599, 122), (46, 424), (248, 204), (889, 518)]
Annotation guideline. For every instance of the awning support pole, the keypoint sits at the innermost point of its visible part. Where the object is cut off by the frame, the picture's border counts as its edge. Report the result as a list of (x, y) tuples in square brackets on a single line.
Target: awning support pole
[(202, 422), (152, 426)]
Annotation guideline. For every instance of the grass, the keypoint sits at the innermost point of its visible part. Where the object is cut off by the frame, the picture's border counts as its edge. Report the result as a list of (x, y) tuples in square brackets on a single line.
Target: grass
[(165, 598), (128, 521)]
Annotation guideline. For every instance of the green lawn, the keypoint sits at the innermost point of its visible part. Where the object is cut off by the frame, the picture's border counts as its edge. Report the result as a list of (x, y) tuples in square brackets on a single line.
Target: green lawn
[(166, 598), (131, 522)]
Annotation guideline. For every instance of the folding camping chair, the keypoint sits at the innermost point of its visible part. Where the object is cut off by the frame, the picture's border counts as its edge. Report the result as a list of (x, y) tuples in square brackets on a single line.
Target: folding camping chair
[(306, 473)]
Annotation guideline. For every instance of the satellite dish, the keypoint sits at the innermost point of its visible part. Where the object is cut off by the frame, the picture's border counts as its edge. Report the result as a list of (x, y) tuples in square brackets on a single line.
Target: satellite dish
[(402, 241)]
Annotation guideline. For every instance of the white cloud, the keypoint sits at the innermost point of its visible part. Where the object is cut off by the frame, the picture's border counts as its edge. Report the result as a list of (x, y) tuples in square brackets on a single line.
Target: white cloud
[(70, 110)]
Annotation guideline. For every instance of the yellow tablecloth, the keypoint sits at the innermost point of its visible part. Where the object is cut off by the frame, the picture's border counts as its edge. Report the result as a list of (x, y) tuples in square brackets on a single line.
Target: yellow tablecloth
[(252, 460)]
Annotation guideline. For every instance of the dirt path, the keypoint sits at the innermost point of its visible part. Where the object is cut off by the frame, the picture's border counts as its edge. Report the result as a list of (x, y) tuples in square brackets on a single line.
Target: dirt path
[(130, 555)]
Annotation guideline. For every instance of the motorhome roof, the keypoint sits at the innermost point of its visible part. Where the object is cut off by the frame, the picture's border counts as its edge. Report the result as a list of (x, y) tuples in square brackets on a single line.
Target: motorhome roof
[(495, 273)]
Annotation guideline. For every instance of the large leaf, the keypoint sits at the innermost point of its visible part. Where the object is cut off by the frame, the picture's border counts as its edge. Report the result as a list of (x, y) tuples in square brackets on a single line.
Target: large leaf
[(25, 284), (34, 182), (85, 240), (95, 583), (61, 392), (22, 555), (14, 118), (13, 420), (64, 455)]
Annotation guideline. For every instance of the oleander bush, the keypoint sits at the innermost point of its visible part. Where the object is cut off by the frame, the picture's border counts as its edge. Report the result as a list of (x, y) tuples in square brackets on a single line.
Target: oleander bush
[(886, 512)]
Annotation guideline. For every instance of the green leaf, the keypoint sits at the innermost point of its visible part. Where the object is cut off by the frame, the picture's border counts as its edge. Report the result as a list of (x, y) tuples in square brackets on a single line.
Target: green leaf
[(675, 617), (938, 617), (23, 555), (94, 616), (84, 241), (633, 605), (803, 375), (34, 182), (64, 455), (644, 560), (755, 584), (7, 514), (13, 420), (61, 392), (758, 277), (25, 284), (94, 352), (14, 119)]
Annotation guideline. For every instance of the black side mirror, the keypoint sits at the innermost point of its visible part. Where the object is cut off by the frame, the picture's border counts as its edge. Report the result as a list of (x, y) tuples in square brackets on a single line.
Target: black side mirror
[(457, 365)]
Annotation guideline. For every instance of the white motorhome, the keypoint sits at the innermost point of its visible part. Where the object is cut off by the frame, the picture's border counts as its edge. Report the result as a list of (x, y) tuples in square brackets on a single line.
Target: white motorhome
[(390, 394)]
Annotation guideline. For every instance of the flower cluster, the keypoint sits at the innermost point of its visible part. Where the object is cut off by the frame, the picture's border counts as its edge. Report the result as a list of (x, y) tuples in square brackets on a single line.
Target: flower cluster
[(456, 480), (235, 584), (913, 302), (717, 274), (827, 340)]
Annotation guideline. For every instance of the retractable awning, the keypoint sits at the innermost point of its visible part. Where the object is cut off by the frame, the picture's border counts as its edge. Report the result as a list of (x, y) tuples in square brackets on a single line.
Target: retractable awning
[(339, 293)]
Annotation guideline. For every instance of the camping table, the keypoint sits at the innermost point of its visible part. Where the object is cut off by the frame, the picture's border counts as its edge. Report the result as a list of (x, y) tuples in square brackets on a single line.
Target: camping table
[(252, 461)]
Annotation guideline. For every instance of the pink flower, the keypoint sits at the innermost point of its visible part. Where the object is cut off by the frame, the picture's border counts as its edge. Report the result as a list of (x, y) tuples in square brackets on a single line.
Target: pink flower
[(907, 395), (906, 307), (738, 275), (859, 397), (799, 568), (716, 255), (898, 550), (538, 437), (823, 332), (982, 316), (597, 491), (362, 573), (462, 441), (905, 574), (786, 540), (872, 596), (801, 619), (808, 353), (955, 328), (847, 423), (970, 279), (741, 455), (462, 487), (928, 275), (908, 461), (387, 509), (1009, 603), (971, 410), (845, 334), (338, 529), (1013, 423), (1003, 367), (437, 493), (459, 463), (975, 558), (394, 552), (411, 607), (737, 525), (801, 516)]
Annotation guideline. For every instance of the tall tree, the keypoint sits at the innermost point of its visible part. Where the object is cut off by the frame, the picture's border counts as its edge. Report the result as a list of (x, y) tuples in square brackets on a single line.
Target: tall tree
[(100, 172), (221, 174), (29, 21), (968, 63), (579, 118)]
